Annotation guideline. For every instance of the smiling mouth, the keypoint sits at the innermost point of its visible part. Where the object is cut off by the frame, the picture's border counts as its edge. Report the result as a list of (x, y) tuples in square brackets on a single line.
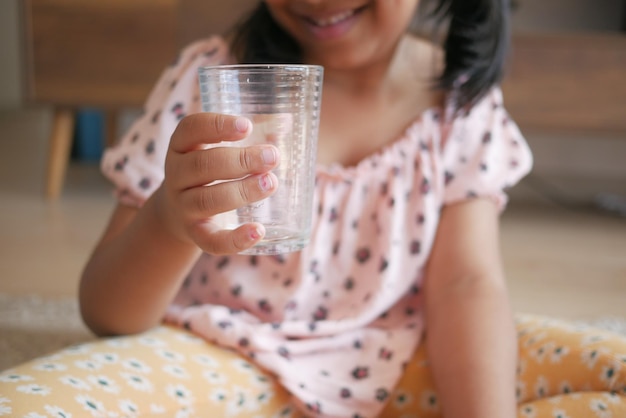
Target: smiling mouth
[(334, 19)]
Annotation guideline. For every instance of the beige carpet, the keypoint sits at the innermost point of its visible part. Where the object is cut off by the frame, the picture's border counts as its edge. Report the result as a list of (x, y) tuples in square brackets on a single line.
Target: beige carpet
[(31, 327)]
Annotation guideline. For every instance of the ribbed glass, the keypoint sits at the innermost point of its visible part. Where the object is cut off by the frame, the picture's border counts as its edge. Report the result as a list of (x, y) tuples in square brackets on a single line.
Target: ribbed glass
[(283, 103)]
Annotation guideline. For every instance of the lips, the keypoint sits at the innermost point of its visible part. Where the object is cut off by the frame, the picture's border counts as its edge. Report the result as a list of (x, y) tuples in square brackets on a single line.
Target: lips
[(333, 19), (332, 25)]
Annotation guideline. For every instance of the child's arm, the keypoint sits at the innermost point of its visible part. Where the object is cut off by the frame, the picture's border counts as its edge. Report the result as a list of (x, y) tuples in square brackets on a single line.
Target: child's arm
[(144, 255), (471, 337)]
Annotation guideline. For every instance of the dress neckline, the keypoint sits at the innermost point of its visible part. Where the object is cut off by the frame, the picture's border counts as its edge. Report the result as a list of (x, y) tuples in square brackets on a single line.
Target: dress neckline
[(339, 171)]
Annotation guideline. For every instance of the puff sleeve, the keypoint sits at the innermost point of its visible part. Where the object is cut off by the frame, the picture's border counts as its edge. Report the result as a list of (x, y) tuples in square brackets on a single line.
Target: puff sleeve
[(135, 165), (484, 153)]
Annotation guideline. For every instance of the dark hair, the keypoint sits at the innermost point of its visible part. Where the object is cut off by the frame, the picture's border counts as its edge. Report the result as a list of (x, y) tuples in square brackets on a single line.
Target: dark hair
[(475, 46), (258, 39)]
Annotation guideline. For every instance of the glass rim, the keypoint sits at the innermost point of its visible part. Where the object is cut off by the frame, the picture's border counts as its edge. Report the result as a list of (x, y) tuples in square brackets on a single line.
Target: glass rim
[(261, 67)]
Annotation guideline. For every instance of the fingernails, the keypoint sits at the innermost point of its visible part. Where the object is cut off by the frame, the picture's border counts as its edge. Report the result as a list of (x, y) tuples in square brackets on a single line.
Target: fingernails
[(265, 182), (269, 155), (256, 232), (242, 124)]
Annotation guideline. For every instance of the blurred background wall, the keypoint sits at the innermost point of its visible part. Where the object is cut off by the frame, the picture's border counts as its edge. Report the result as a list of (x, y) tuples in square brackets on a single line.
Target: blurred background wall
[(10, 87), (571, 15)]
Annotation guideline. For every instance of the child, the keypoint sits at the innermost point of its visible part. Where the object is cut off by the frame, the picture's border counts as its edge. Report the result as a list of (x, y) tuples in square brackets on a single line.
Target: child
[(415, 151)]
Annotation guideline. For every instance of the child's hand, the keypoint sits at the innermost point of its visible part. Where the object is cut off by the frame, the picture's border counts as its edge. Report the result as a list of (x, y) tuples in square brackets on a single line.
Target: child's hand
[(187, 199)]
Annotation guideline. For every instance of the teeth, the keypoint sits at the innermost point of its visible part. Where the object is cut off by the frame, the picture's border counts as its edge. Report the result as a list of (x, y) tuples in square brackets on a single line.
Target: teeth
[(333, 19)]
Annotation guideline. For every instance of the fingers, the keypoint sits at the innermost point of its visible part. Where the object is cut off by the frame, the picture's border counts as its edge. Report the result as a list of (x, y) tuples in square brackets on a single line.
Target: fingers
[(204, 202), (201, 183), (223, 241), (208, 128), (199, 168)]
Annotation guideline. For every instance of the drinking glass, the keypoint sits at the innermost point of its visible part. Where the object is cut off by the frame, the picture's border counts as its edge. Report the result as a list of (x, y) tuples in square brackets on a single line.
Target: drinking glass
[(283, 103)]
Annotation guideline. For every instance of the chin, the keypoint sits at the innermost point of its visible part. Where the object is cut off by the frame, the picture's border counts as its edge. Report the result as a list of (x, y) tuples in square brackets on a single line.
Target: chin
[(341, 60)]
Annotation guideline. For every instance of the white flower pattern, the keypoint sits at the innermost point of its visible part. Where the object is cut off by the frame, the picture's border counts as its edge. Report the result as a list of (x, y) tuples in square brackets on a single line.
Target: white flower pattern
[(541, 387), (57, 412), (600, 408), (565, 387), (104, 382), (613, 398), (590, 356), (520, 390), (264, 398), (206, 361), (589, 339), (5, 409), (609, 372), (189, 338), (152, 342), (106, 358), (529, 411), (243, 366), (138, 382), (289, 412), (77, 350), (215, 378), (429, 401), (176, 371), (218, 395), (34, 389), (180, 393), (239, 401), (13, 378), (541, 352), (88, 365), (170, 355), (184, 413), (128, 407), (259, 381), (402, 398), (559, 353), (91, 405), (75, 382), (50, 367), (137, 366), (157, 409), (559, 413), (118, 343)]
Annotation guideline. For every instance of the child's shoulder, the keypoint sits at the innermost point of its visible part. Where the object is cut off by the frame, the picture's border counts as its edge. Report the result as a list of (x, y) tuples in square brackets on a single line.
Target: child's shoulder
[(206, 47)]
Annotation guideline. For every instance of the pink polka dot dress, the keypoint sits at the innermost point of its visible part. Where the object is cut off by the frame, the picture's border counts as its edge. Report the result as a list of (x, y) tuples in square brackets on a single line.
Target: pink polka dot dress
[(336, 322)]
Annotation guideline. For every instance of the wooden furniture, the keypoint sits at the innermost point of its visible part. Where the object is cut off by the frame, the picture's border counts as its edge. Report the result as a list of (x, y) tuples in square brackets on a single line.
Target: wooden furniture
[(104, 54), (202, 18), (108, 54), (568, 83)]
